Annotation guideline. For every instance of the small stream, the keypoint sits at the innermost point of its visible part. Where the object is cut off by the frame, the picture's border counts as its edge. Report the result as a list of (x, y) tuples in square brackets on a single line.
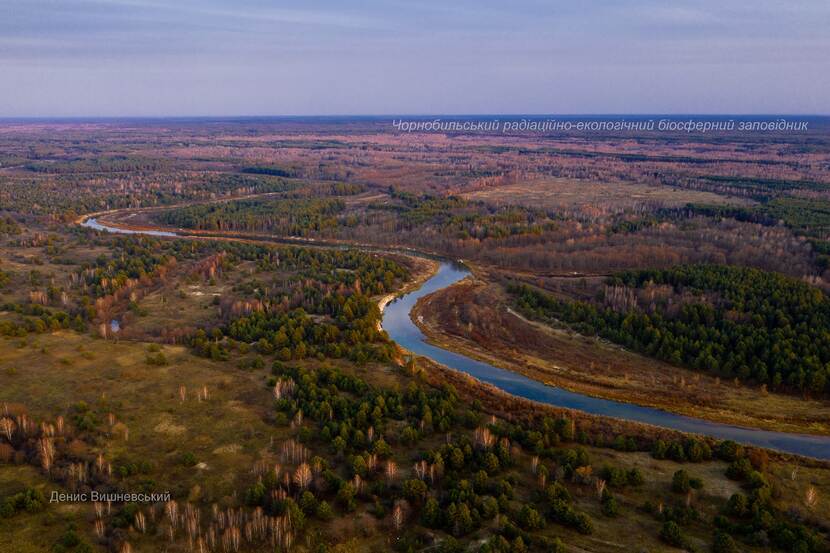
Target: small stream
[(400, 327)]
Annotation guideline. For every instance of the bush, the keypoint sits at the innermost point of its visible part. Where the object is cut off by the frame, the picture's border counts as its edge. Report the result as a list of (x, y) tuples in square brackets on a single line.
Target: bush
[(308, 503), (759, 459), (616, 477), (682, 482), (562, 511), (71, 541), (530, 519), (557, 491), (156, 359), (676, 452), (324, 511), (414, 490), (431, 514), (635, 477), (740, 469), (730, 451), (610, 507), (697, 451), (671, 534), (583, 524), (723, 543), (188, 459), (31, 501), (737, 505)]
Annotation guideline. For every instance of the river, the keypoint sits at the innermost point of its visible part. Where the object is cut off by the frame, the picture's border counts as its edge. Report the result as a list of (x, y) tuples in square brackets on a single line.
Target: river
[(398, 323)]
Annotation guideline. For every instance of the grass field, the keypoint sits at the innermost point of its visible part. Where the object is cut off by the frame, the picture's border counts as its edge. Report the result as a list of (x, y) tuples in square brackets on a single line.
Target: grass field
[(225, 434), (35, 532), (227, 430)]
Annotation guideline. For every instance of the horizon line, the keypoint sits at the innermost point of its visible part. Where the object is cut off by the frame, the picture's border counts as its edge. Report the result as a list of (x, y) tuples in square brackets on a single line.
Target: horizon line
[(47, 118)]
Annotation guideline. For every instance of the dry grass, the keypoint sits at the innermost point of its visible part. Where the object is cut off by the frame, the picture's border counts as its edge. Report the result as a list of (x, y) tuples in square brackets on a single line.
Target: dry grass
[(176, 305), (35, 532), (226, 431)]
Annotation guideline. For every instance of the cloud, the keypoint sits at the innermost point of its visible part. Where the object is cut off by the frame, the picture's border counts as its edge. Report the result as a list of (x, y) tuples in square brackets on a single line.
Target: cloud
[(293, 55)]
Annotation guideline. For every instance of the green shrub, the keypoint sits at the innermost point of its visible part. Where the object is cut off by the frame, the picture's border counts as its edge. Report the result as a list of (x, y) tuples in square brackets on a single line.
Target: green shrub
[(723, 543)]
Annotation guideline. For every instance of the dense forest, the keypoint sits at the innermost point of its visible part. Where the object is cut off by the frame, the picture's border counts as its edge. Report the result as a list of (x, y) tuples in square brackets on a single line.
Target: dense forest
[(808, 217), (319, 302), (293, 214), (730, 321), (311, 210), (65, 196), (111, 164), (455, 217), (286, 217), (476, 478), (335, 317)]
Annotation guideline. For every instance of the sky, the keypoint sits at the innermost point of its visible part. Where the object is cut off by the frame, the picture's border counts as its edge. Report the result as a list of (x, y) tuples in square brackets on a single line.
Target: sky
[(79, 58)]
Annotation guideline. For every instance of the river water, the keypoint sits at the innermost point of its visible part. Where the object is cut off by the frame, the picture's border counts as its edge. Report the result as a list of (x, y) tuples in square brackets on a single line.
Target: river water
[(93, 223), (398, 324)]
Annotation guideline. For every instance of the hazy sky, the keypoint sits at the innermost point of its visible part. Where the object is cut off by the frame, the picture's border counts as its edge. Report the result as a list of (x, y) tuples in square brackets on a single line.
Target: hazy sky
[(257, 57)]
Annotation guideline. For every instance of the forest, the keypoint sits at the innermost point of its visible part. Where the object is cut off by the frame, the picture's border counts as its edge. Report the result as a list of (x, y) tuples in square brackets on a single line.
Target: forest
[(460, 485), (734, 322), (450, 217), (286, 217)]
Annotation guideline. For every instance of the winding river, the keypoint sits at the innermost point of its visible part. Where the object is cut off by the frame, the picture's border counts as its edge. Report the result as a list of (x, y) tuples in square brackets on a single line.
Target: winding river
[(400, 327)]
